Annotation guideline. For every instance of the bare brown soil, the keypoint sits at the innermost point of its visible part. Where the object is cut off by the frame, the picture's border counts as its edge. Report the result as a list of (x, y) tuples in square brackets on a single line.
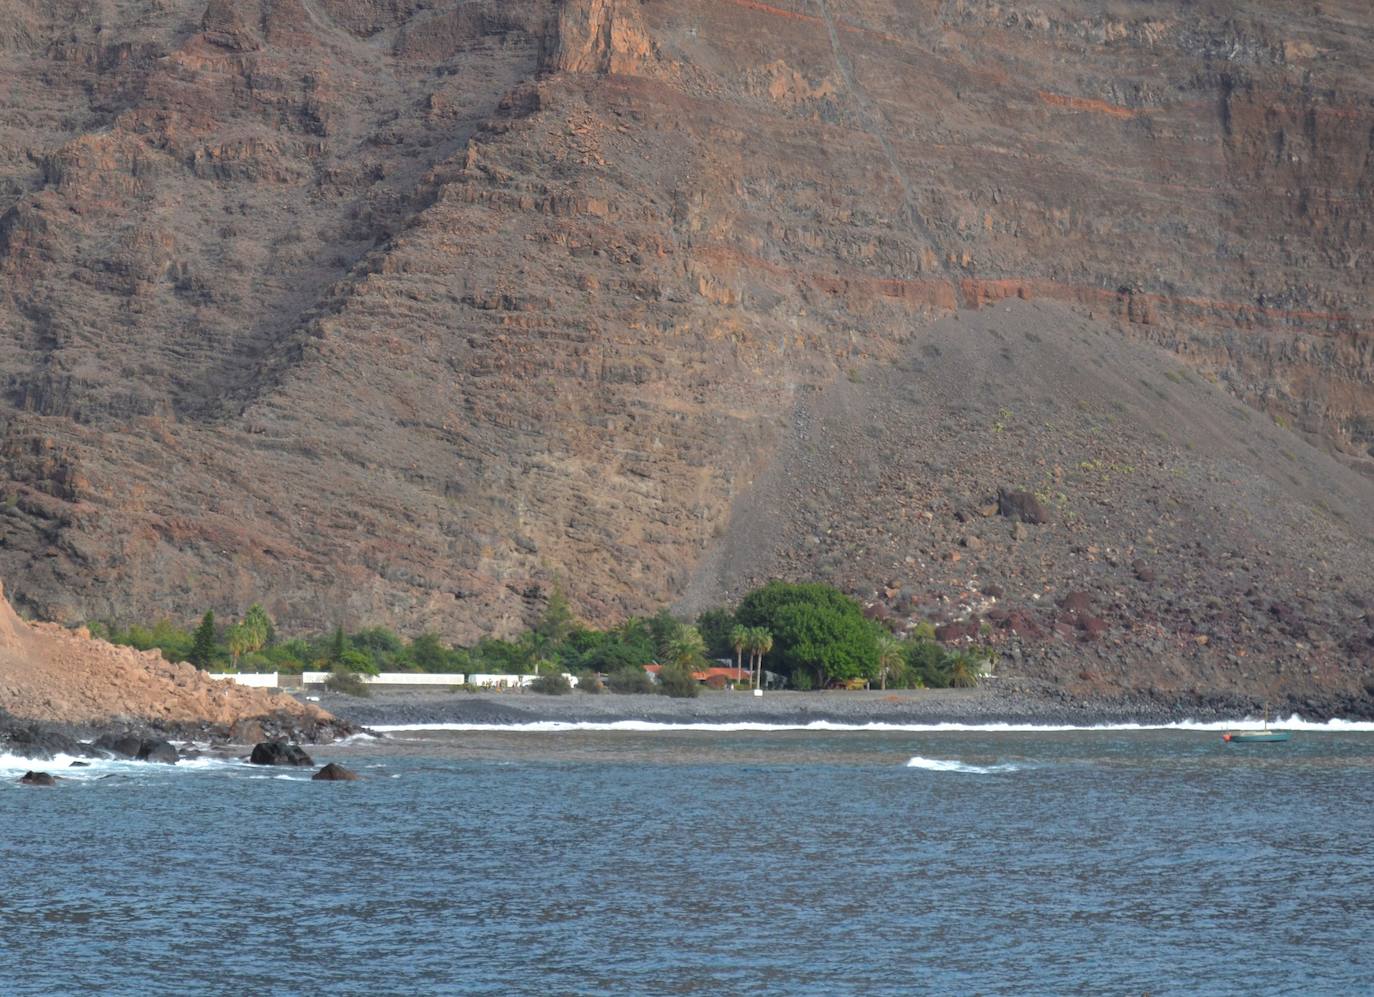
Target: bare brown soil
[(55, 675)]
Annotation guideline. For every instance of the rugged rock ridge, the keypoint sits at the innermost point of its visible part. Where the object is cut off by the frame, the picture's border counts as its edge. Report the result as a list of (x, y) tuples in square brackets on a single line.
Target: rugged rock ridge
[(402, 312), (602, 36), (51, 674)]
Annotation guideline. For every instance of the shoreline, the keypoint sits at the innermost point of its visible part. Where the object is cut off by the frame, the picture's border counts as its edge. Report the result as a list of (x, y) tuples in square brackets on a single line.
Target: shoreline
[(979, 706)]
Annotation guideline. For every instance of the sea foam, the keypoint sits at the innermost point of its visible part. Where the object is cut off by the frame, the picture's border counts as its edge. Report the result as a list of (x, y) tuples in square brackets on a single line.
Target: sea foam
[(13, 766), (1294, 722), (953, 765)]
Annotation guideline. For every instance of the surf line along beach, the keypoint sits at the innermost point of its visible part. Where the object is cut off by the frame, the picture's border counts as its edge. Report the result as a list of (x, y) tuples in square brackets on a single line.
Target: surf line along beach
[(979, 708)]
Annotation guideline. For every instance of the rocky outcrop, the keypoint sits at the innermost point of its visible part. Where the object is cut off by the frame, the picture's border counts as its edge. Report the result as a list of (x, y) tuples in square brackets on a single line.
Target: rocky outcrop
[(602, 36), (37, 779), (51, 674), (121, 745), (132, 746), (279, 753), (36, 742), (158, 751)]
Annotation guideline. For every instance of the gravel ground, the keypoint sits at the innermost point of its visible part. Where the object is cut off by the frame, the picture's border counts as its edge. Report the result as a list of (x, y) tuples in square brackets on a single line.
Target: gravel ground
[(984, 705)]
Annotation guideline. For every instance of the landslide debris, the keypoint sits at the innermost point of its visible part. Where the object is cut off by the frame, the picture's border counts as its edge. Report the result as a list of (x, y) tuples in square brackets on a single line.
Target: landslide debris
[(1023, 478)]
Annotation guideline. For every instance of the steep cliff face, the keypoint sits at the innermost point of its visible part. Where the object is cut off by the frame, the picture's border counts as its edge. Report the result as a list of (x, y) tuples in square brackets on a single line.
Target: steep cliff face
[(404, 311)]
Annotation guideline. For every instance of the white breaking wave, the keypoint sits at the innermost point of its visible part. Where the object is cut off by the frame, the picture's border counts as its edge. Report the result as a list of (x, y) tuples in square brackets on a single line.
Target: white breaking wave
[(362, 735), (20, 764), (14, 766), (1294, 722), (953, 765)]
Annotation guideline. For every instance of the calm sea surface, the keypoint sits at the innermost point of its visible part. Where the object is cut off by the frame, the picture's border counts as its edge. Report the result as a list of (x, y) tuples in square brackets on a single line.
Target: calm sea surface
[(713, 863)]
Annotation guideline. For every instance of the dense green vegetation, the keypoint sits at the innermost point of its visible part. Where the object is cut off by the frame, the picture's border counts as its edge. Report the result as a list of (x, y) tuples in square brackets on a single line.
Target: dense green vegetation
[(811, 635)]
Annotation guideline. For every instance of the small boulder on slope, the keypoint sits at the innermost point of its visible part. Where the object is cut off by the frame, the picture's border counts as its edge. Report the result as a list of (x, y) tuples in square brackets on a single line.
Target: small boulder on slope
[(1021, 507)]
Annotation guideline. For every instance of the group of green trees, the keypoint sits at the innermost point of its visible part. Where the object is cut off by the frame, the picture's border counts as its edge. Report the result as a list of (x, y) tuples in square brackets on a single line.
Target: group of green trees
[(820, 637), (811, 634)]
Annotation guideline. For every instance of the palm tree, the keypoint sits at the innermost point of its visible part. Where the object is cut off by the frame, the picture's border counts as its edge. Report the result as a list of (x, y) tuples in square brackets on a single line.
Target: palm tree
[(765, 644), (240, 641), (257, 627), (688, 648), (889, 657), (750, 640), (760, 643), (739, 640), (963, 670)]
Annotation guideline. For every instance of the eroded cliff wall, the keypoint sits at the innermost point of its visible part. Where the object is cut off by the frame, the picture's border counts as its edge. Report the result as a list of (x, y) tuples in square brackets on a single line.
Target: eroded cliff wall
[(402, 312)]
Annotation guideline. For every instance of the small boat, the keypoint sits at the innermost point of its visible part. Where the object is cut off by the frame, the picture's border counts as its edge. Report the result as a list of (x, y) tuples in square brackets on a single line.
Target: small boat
[(1255, 736), (1251, 736)]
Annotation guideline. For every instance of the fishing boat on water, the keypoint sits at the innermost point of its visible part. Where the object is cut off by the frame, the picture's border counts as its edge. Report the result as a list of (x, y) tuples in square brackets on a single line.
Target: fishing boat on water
[(1256, 736)]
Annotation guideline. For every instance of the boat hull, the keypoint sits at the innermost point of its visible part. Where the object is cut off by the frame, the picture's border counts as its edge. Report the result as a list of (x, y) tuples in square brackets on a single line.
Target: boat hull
[(1254, 736)]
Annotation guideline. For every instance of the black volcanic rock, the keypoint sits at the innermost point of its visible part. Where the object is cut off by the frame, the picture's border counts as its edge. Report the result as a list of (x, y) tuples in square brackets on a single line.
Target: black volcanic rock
[(121, 745), (334, 772), (155, 750), (279, 753), (39, 743)]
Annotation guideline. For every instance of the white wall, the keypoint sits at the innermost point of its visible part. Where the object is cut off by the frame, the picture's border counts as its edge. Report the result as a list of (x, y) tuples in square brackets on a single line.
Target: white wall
[(486, 681), (482, 681), (416, 678)]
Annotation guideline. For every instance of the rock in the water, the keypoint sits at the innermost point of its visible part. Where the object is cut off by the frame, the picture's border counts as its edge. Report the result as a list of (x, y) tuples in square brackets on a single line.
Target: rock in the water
[(79, 765), (143, 749), (333, 772), (123, 745), (153, 750), (39, 743), (279, 753), (37, 779)]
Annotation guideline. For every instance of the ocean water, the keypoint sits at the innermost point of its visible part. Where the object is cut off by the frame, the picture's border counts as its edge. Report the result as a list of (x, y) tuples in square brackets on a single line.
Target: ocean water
[(632, 861)]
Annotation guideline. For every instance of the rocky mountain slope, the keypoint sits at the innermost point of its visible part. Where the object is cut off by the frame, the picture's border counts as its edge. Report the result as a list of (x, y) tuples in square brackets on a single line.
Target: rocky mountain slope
[(402, 312), (1167, 538)]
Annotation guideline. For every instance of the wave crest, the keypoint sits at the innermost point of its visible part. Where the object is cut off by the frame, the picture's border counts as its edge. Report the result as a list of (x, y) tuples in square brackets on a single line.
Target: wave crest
[(954, 765)]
